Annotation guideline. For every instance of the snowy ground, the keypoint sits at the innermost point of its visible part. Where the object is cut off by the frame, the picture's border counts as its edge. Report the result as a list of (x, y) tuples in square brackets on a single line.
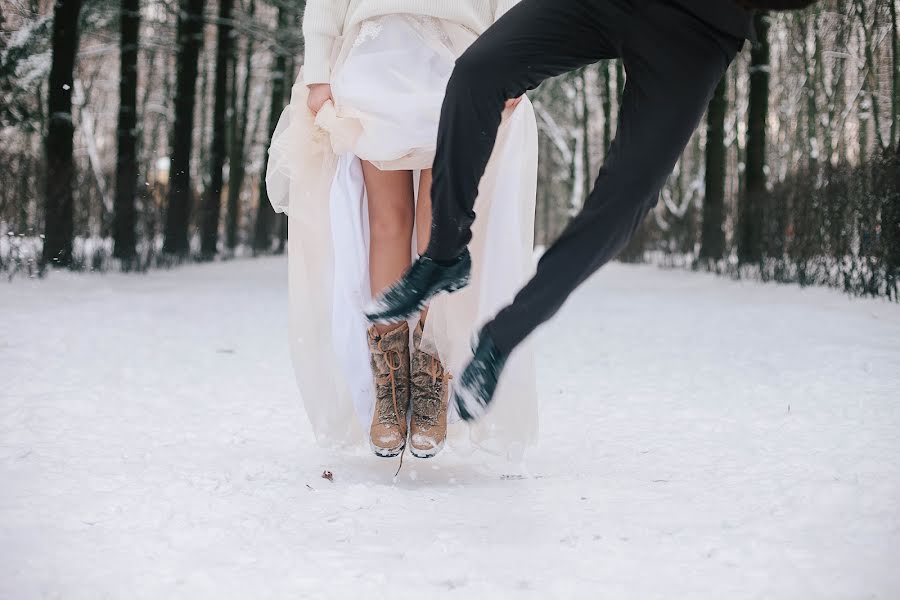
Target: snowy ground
[(701, 438)]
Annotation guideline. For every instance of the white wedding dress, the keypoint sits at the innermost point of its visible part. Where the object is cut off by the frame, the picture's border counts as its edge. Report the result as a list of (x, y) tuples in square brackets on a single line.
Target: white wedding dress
[(388, 82)]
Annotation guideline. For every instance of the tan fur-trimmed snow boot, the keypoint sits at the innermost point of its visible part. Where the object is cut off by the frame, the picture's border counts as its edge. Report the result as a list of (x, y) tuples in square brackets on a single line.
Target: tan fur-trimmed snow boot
[(430, 396), (390, 366)]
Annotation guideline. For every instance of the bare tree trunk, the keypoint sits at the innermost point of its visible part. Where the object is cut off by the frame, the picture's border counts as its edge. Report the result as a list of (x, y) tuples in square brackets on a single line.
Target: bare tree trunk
[(235, 157), (822, 92), (146, 148), (607, 106), (712, 234), (190, 41), (749, 238), (212, 206), (265, 214), (733, 157), (587, 169), (812, 113), (200, 149), (24, 168), (871, 81), (576, 179), (838, 75), (831, 136), (59, 198), (620, 80), (864, 123), (239, 126), (151, 212), (126, 161), (895, 78)]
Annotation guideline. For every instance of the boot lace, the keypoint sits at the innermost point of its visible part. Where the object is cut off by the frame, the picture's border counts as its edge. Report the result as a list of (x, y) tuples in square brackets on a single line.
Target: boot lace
[(385, 415), (430, 407)]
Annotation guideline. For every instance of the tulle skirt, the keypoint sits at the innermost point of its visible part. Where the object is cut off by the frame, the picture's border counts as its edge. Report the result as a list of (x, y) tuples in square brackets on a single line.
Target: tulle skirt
[(388, 82)]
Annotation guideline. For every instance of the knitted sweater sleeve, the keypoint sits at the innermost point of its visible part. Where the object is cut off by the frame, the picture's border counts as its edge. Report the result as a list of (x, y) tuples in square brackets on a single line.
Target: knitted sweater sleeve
[(323, 23), (501, 6)]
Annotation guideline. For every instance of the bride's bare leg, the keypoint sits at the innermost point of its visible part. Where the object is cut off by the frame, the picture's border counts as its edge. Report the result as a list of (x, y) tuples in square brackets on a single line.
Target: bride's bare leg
[(391, 214), (423, 218)]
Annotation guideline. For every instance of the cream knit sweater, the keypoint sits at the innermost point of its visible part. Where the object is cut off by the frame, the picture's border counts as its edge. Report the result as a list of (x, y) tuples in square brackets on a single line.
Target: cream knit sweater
[(325, 21)]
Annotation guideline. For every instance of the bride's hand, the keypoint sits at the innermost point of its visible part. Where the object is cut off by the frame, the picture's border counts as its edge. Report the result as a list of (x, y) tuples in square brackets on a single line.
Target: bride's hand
[(514, 102), (319, 94)]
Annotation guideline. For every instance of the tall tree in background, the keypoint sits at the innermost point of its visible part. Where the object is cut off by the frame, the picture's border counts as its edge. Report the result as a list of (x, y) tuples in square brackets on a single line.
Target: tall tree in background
[(265, 215), (189, 40), (212, 205), (239, 118), (126, 135), (834, 129), (712, 235), (585, 116), (749, 218), (607, 106), (895, 79), (870, 81), (620, 80), (811, 60), (59, 198)]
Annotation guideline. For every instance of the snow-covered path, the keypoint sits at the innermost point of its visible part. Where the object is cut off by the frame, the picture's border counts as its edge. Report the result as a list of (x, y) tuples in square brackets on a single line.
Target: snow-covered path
[(701, 438)]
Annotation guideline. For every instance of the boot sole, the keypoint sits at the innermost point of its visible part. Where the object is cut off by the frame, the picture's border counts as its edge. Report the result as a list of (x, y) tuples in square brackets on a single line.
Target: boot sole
[(430, 453), (387, 452), (458, 285), (468, 406), (386, 318)]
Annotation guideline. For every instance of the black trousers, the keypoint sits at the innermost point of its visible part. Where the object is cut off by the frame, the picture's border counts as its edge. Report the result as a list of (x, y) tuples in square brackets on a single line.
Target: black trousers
[(673, 62)]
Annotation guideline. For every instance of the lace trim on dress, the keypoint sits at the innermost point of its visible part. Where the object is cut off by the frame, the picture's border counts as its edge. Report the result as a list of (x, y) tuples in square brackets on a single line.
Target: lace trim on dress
[(432, 27), (368, 30)]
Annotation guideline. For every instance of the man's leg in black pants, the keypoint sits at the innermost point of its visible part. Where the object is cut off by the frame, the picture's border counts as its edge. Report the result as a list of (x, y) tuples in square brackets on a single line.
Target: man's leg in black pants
[(535, 40), (673, 63)]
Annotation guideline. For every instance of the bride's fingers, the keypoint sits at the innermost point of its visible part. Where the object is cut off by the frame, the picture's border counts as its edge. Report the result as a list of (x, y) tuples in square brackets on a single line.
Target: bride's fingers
[(319, 94), (316, 105)]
